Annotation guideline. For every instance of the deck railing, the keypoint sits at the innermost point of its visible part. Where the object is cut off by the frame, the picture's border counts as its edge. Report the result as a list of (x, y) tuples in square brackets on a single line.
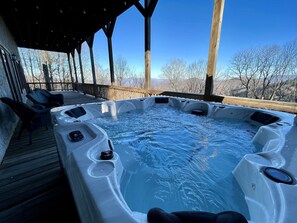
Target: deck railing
[(54, 86), (112, 92)]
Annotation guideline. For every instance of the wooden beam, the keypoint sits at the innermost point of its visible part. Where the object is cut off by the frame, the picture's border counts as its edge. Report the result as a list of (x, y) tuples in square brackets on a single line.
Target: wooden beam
[(70, 69), (90, 42), (46, 77), (217, 18), (140, 8), (109, 27), (151, 7), (147, 58), (108, 30), (74, 65), (111, 64), (147, 12), (78, 49)]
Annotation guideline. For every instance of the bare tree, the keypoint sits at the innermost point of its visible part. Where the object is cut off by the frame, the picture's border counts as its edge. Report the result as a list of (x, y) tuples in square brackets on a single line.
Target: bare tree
[(224, 83), (174, 72), (24, 60), (31, 61), (102, 75), (195, 75), (264, 71), (139, 80), (285, 67), (86, 62), (244, 65), (61, 74), (268, 57), (121, 70), (135, 79)]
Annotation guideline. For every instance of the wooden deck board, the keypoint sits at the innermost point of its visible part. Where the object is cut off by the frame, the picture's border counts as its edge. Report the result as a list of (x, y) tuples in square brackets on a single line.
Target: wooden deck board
[(22, 169), (33, 187), (29, 187), (44, 208)]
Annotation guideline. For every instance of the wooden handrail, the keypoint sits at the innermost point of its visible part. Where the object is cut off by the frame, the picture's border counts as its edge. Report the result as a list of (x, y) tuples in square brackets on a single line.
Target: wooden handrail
[(113, 92)]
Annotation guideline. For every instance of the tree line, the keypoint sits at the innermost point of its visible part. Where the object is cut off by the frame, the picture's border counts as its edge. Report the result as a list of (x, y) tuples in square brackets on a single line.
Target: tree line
[(268, 72)]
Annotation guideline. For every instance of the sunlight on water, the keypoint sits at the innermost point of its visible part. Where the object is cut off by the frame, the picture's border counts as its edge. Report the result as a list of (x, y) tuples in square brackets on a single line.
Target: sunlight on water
[(178, 161)]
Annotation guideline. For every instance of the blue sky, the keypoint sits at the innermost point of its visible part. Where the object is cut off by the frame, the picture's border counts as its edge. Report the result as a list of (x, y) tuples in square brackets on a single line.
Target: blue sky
[(181, 29)]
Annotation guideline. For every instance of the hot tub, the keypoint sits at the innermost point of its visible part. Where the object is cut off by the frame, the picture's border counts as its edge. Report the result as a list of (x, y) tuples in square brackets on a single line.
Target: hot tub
[(267, 178)]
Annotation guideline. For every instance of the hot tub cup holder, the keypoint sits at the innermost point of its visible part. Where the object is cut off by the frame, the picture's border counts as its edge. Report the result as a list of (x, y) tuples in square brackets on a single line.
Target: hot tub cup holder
[(278, 175), (100, 169)]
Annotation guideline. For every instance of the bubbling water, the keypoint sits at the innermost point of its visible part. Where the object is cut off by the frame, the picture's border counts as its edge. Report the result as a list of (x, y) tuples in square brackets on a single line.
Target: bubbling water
[(179, 161)]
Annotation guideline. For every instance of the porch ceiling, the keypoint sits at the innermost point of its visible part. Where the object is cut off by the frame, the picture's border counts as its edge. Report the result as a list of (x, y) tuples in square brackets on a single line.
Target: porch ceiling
[(58, 25)]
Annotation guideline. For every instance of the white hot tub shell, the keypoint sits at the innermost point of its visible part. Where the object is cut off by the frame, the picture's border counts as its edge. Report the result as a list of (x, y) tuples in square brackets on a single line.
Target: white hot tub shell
[(95, 183)]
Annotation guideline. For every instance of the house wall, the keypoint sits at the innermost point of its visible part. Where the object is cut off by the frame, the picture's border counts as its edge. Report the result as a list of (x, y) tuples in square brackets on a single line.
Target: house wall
[(8, 119)]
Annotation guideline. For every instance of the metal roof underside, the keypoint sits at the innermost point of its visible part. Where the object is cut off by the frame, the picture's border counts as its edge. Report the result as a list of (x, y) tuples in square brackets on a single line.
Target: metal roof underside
[(58, 25)]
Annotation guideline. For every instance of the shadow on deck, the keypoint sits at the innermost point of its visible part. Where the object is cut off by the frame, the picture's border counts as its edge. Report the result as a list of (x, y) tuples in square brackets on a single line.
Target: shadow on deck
[(33, 188)]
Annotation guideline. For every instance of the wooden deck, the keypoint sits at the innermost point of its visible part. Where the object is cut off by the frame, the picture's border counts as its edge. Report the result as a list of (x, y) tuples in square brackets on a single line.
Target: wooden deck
[(33, 187)]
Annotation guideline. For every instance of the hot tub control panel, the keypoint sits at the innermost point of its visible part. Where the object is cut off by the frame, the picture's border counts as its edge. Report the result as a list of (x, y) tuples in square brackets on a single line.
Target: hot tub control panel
[(75, 136)]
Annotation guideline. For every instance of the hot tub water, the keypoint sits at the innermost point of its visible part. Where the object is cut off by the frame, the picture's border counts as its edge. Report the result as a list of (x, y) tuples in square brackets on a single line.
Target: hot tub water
[(179, 161)]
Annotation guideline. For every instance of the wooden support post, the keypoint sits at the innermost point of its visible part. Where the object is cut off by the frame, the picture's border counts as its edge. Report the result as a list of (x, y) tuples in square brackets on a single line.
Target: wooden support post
[(147, 49), (108, 30), (90, 42), (111, 64), (78, 49), (51, 76), (70, 70), (46, 77), (217, 18), (74, 65), (147, 12)]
